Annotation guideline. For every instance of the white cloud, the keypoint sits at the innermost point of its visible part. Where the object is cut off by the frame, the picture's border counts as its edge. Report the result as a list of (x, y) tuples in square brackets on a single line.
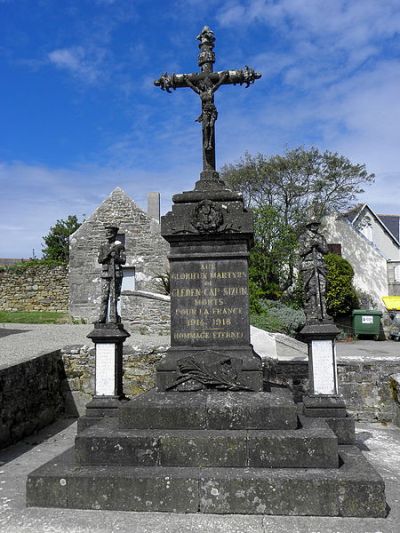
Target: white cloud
[(80, 62), (46, 194), (345, 32)]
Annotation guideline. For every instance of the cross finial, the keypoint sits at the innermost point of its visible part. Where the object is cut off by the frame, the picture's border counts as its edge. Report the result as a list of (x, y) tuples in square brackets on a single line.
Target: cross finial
[(205, 84)]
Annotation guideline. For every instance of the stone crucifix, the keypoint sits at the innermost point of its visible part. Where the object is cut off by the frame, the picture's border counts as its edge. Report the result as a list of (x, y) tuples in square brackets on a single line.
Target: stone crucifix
[(205, 84)]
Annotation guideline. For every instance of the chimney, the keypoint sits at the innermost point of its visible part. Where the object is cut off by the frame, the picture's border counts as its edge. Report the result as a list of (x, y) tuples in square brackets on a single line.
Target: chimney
[(153, 205)]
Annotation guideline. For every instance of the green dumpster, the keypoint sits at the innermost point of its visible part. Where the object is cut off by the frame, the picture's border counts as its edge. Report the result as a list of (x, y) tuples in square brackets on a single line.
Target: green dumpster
[(367, 322)]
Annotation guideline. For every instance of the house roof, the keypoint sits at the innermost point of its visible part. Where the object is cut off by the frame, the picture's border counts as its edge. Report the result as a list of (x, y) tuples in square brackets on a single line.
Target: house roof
[(392, 223), (355, 212)]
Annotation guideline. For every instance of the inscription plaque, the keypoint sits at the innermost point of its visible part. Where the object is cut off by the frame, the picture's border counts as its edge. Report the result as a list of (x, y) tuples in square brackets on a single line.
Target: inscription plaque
[(209, 302), (105, 369), (324, 367)]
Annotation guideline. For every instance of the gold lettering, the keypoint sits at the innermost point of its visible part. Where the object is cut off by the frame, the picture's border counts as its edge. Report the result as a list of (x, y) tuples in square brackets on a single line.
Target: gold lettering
[(192, 335), (221, 322), (234, 291), (195, 322), (209, 302)]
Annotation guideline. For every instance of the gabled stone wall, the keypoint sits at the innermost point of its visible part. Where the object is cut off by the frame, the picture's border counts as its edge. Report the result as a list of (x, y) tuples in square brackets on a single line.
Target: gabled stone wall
[(38, 288), (146, 252)]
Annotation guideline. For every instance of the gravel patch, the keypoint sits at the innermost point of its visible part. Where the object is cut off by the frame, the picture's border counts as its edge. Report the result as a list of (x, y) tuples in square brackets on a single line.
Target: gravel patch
[(31, 340)]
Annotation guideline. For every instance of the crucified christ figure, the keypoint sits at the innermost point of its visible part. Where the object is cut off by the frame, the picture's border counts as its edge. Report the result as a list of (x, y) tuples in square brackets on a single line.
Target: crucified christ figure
[(205, 83), (206, 88)]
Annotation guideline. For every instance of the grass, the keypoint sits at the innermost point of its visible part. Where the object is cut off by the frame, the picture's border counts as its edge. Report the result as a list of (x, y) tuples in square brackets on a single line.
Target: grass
[(34, 317)]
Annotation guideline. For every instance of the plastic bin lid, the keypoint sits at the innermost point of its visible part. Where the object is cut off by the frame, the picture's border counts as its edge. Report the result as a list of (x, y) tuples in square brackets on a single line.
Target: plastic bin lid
[(367, 312), (391, 302)]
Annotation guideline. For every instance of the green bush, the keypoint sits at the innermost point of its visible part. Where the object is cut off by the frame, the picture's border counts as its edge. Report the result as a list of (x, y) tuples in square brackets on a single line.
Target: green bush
[(278, 317), (341, 297), (32, 263)]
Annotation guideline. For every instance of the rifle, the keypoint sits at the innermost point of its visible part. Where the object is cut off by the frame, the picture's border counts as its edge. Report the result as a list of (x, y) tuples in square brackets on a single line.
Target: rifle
[(113, 291)]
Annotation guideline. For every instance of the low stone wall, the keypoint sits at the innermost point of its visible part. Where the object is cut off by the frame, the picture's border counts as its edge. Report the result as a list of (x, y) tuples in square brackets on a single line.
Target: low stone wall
[(365, 383), (146, 312), (38, 288), (34, 392), (30, 396), (138, 367)]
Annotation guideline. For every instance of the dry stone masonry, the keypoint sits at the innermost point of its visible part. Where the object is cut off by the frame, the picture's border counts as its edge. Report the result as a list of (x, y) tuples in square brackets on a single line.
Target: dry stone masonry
[(31, 396), (37, 288)]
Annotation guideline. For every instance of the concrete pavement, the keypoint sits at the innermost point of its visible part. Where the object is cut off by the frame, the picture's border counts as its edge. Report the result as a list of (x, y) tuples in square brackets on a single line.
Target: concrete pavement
[(381, 445)]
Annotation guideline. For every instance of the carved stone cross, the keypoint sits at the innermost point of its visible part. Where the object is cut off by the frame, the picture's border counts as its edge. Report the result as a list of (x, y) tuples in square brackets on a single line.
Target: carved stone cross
[(205, 84)]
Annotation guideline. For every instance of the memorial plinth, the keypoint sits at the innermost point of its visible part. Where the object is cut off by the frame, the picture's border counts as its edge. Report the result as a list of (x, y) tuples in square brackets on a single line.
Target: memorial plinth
[(108, 339), (210, 234)]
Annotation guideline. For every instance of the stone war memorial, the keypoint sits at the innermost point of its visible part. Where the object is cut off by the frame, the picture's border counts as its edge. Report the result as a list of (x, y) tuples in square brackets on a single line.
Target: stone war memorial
[(213, 436)]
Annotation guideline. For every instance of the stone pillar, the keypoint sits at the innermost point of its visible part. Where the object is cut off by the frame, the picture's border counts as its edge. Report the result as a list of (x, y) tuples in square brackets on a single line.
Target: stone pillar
[(153, 205), (210, 234), (323, 399), (108, 339)]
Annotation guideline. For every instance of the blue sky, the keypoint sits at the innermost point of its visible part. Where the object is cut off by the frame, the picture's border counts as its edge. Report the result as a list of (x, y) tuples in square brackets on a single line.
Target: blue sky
[(80, 115)]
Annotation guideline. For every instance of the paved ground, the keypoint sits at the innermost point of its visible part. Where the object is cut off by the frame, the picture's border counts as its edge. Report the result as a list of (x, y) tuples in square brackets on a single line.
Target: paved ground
[(369, 348), (38, 338), (380, 444), (34, 339)]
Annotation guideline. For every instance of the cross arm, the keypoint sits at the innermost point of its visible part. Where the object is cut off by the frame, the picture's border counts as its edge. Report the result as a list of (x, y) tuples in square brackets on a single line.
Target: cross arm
[(245, 76)]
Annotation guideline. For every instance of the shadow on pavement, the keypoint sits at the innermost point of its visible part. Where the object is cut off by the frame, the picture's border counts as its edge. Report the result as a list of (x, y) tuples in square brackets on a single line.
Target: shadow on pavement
[(4, 332), (27, 443)]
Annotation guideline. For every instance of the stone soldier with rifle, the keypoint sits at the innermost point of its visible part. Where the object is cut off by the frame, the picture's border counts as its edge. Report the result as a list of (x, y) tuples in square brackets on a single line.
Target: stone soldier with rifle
[(313, 247), (112, 257)]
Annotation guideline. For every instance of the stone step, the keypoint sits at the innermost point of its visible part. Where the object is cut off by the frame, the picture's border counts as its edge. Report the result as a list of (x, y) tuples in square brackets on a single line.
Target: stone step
[(210, 410), (354, 489), (312, 446)]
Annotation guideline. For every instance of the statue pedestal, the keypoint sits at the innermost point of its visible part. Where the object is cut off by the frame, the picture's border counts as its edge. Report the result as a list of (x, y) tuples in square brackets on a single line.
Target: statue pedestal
[(320, 338), (210, 234), (108, 389), (324, 400)]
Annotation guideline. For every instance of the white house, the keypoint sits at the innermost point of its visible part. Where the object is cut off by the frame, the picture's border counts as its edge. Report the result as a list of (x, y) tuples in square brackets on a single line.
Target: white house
[(370, 242)]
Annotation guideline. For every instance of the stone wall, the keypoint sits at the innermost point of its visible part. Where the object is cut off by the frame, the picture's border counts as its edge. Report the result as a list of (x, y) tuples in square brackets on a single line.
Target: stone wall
[(146, 313), (34, 392), (138, 368), (38, 288), (30, 396), (366, 384), (146, 254)]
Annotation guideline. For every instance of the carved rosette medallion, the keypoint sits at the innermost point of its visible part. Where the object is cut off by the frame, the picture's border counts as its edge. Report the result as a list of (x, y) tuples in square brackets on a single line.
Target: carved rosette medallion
[(207, 217)]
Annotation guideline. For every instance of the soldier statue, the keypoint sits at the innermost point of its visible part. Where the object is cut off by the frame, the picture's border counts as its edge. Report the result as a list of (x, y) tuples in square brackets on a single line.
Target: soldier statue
[(112, 257), (313, 247)]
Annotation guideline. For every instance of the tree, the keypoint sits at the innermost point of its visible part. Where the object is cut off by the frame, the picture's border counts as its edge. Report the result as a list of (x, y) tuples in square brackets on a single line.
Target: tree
[(282, 190), (57, 240), (273, 257), (341, 296)]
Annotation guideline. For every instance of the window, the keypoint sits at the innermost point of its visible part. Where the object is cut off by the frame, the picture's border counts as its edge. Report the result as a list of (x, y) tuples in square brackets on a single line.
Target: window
[(128, 279), (397, 273)]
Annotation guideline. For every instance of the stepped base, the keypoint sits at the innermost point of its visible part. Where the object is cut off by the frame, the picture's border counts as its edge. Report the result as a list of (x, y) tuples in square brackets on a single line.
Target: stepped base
[(210, 410), (354, 489), (212, 452), (314, 445)]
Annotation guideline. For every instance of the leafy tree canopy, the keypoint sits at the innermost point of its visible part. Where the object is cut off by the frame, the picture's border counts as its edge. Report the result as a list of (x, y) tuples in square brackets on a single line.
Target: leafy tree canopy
[(57, 240), (282, 190), (300, 178), (341, 296)]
